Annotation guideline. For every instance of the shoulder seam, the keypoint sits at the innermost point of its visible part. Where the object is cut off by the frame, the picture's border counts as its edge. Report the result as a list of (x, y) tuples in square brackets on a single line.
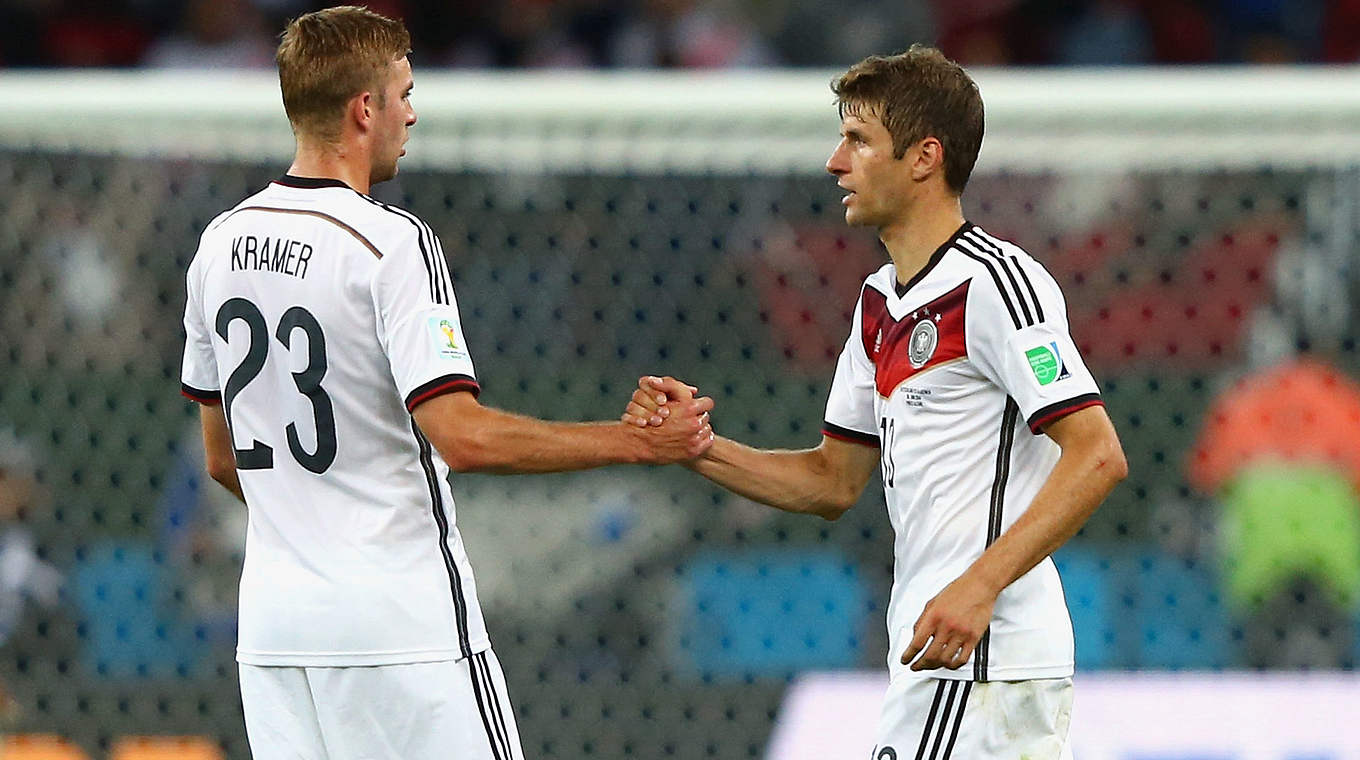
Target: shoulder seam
[(990, 255), (996, 280), (1019, 267), (430, 250)]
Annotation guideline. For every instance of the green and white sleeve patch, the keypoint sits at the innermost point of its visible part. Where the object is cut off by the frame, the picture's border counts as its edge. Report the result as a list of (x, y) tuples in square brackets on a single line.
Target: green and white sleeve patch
[(1046, 363)]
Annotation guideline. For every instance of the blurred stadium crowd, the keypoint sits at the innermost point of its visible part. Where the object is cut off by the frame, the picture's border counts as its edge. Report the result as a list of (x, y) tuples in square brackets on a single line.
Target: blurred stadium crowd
[(700, 33)]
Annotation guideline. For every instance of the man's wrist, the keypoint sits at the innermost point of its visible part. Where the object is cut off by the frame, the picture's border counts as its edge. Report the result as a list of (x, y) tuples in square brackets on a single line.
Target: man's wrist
[(638, 447)]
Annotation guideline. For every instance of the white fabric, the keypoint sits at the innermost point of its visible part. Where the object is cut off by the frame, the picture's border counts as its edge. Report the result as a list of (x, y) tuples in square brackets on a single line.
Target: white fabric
[(997, 720), (942, 424), (355, 561), (416, 711)]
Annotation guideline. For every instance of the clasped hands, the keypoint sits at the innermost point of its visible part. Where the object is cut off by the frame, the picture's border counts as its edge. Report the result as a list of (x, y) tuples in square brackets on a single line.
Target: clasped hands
[(674, 421)]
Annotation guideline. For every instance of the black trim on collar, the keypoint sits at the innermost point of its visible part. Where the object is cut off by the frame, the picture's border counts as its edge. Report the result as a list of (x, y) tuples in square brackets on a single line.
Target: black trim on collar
[(935, 257), (310, 183)]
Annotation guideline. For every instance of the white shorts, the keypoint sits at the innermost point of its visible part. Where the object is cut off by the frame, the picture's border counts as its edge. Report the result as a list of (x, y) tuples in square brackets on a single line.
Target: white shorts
[(421, 711), (938, 719)]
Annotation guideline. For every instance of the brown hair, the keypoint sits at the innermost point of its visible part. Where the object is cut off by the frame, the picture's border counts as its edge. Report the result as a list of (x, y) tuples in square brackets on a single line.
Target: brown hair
[(919, 94), (328, 57)]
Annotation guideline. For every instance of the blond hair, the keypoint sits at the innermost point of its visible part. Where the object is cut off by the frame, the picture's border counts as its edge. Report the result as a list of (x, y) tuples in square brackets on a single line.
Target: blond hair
[(919, 94), (329, 56)]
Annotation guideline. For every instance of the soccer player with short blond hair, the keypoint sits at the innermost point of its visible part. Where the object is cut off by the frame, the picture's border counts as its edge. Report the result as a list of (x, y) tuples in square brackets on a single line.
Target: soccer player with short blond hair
[(337, 392)]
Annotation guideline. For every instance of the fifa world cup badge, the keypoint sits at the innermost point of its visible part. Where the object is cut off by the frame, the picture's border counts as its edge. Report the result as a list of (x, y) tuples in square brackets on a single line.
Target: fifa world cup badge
[(444, 338)]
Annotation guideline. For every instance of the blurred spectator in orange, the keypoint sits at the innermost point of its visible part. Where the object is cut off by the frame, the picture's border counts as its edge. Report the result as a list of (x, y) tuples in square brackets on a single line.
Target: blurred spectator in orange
[(1300, 411), (1278, 451)]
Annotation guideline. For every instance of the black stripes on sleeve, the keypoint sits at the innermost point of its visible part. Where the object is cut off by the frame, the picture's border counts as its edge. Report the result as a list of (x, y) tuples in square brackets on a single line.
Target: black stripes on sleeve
[(846, 434), (199, 395), (441, 385), (436, 268), (1017, 290), (1052, 412)]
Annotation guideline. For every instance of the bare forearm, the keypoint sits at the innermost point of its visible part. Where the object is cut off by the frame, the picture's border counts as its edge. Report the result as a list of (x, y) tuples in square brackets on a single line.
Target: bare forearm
[(509, 444), (795, 481), (1080, 481)]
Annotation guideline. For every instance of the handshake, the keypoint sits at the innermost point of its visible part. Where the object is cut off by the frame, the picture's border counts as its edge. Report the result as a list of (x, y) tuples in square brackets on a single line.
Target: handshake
[(674, 425)]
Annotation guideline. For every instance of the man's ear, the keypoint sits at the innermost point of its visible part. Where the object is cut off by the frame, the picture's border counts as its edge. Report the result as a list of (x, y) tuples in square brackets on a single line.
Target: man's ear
[(360, 110), (926, 157)]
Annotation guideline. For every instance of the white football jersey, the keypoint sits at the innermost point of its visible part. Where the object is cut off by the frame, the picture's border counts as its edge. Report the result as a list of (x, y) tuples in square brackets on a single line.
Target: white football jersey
[(953, 375), (319, 317)]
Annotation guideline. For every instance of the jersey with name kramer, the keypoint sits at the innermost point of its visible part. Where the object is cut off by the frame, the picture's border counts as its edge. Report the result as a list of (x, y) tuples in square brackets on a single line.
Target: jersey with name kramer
[(320, 317), (954, 374)]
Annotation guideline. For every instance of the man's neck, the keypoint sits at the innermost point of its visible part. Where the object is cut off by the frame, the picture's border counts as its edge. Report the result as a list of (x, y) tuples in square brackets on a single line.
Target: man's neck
[(919, 233), (331, 162)]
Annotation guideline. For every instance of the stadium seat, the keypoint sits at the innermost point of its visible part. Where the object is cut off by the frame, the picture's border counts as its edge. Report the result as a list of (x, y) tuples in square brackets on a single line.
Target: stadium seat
[(120, 591), (1085, 573), (165, 748), (771, 613), (39, 747), (1181, 618)]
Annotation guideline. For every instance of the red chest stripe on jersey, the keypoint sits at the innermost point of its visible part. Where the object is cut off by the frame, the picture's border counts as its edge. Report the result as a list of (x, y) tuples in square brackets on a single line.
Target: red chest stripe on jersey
[(888, 342)]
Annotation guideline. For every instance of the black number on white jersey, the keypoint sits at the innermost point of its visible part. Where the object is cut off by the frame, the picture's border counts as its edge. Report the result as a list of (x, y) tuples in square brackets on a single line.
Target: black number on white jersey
[(258, 456), (308, 381)]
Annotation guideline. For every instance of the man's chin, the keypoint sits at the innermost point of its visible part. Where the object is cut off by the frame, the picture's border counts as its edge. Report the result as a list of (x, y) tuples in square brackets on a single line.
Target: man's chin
[(384, 174), (854, 219)]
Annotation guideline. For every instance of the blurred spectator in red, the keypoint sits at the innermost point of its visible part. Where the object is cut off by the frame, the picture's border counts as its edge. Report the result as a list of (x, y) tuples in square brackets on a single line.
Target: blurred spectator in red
[(806, 274), (1341, 32), (215, 34), (974, 32), (93, 33), (1182, 31)]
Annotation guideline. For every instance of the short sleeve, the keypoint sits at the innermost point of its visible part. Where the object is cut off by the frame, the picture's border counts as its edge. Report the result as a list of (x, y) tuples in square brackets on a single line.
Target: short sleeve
[(198, 373), (850, 407), (1021, 341), (418, 323)]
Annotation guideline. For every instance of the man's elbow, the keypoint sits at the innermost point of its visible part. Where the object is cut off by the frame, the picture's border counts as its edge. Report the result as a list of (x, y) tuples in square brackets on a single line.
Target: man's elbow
[(832, 508), (1112, 464), (831, 512)]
